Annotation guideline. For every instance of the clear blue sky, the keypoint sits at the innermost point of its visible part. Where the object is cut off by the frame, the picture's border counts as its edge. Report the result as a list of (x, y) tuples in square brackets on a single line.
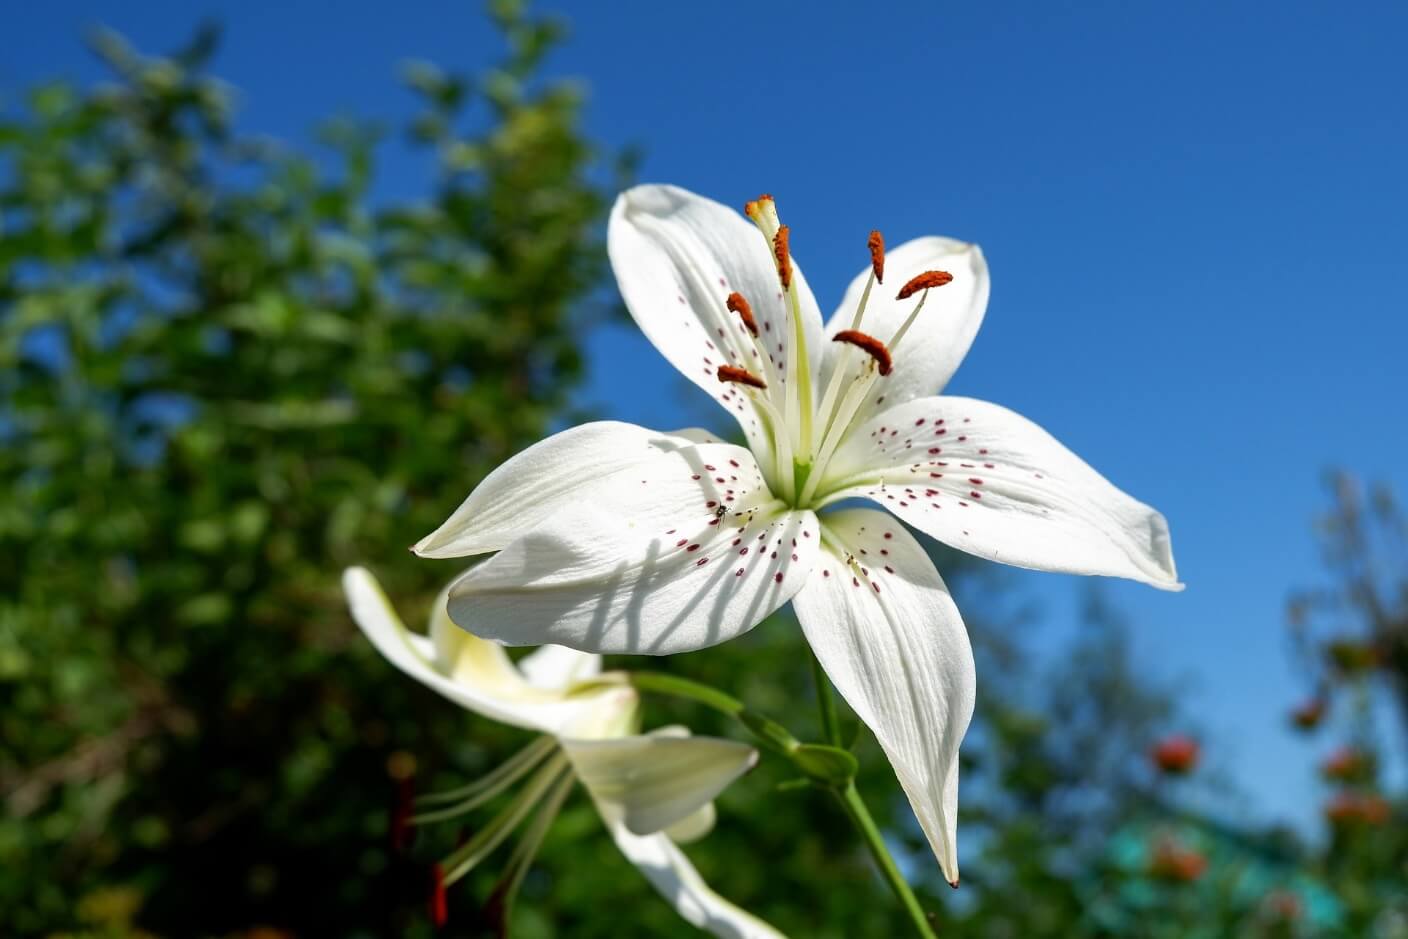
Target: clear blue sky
[(1193, 213)]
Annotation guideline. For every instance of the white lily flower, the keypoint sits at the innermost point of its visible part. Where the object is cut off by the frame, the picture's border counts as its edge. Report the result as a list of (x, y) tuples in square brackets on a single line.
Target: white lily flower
[(615, 538), (652, 790)]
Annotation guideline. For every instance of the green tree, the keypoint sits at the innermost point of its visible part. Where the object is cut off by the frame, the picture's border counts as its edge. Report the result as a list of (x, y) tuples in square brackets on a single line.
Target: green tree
[(225, 372)]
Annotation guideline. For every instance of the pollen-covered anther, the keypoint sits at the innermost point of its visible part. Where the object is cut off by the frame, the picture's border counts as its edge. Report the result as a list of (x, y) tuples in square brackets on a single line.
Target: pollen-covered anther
[(876, 244), (737, 304), (923, 282), (741, 376), (869, 344), (783, 255)]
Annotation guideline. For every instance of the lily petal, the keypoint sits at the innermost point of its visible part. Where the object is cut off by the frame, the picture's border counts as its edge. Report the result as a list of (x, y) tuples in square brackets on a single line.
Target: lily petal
[(688, 551), (936, 343), (557, 668), (990, 482), (659, 779), (537, 483), (693, 826), (475, 674), (676, 879), (677, 257), (891, 640)]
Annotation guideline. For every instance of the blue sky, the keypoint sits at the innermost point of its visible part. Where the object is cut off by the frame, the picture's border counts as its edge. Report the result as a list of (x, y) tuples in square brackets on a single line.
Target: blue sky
[(1192, 212)]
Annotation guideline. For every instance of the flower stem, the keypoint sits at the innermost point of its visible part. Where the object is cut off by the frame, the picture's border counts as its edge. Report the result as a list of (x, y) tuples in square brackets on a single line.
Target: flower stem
[(662, 683), (779, 739), (850, 800), (865, 826), (768, 731), (830, 723)]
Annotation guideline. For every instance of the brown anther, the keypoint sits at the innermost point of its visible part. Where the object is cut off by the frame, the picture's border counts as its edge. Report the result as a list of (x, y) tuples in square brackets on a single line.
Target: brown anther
[(923, 282), (738, 305), (784, 258), (876, 243), (754, 208), (869, 344), (740, 375)]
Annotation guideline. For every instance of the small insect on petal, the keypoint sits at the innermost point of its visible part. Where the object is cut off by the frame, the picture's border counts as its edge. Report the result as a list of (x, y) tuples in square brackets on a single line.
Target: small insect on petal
[(737, 304), (923, 282), (876, 243), (874, 347), (740, 375)]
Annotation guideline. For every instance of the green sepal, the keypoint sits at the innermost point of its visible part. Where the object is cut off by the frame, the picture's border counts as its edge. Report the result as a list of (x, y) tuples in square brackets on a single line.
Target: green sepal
[(830, 765)]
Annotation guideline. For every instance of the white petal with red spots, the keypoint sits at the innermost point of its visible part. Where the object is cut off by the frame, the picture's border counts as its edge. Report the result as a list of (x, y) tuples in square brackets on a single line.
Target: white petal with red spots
[(677, 257), (939, 339), (539, 482), (689, 551), (885, 629), (990, 482)]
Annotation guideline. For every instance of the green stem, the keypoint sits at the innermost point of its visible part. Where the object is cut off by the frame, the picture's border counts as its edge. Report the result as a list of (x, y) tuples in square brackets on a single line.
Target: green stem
[(778, 738), (830, 723), (865, 825), (662, 683), (771, 733)]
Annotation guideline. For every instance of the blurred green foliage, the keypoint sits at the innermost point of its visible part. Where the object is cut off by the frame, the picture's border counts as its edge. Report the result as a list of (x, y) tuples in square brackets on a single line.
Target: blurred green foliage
[(227, 370), (225, 373)]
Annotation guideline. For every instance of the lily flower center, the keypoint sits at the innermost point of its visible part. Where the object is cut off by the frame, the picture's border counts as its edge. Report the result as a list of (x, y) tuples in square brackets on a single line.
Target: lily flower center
[(806, 433)]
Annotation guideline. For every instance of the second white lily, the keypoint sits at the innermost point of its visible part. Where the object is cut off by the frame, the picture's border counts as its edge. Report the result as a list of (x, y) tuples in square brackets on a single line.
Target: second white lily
[(651, 790), (615, 538)]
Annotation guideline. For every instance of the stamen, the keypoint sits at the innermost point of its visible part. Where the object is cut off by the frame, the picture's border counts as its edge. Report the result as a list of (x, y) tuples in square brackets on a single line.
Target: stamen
[(740, 375), (737, 304), (438, 907), (876, 243), (401, 809), (923, 282), (784, 258), (868, 344)]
